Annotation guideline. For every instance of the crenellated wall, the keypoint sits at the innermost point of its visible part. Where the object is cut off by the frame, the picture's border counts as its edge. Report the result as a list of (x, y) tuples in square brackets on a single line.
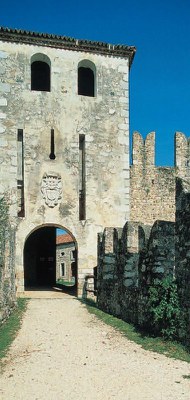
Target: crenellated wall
[(158, 246), (152, 189), (129, 261)]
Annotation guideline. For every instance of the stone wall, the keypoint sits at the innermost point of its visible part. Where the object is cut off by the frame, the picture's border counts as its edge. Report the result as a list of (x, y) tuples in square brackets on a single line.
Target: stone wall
[(7, 263), (182, 243), (143, 253), (129, 261), (152, 189)]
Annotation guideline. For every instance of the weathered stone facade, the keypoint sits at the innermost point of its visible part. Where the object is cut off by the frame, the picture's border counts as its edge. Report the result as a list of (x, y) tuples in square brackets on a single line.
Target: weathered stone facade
[(40, 134)]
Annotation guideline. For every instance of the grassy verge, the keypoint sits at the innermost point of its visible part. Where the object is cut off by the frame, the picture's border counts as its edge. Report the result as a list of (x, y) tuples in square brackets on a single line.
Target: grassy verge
[(158, 345), (9, 329), (65, 283)]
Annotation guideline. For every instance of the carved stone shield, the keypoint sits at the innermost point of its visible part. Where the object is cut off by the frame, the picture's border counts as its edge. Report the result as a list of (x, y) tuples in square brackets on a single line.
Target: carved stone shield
[(51, 188)]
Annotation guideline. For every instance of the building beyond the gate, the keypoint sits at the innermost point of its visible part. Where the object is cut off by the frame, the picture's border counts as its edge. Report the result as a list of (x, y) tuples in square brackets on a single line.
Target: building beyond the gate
[(65, 258), (64, 139)]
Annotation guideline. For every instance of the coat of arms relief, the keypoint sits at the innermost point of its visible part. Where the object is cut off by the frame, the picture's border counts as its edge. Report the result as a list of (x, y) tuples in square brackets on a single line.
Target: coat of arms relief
[(51, 188)]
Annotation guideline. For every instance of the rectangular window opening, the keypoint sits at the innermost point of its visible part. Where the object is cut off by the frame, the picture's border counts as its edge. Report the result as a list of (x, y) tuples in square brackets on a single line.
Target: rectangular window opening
[(82, 179), (20, 174), (62, 269)]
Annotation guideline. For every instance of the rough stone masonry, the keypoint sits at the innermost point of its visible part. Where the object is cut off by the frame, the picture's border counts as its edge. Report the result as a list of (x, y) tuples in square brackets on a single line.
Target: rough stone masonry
[(64, 139)]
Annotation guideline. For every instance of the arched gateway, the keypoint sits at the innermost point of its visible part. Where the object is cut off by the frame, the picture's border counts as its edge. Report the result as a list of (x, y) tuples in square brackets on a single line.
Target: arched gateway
[(50, 259)]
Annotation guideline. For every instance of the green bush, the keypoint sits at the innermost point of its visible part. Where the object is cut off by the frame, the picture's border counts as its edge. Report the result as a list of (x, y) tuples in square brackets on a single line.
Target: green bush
[(165, 315)]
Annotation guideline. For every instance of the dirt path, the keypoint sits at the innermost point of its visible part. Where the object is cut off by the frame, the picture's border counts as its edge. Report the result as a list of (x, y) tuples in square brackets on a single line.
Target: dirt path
[(62, 352)]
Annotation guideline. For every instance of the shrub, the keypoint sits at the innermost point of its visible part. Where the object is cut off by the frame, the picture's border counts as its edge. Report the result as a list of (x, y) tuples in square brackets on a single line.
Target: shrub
[(165, 315)]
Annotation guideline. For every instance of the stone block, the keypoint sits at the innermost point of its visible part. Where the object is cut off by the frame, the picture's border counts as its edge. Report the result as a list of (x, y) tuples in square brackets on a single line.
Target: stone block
[(2, 70), (3, 142), (129, 274), (3, 102), (123, 126), (158, 270), (128, 282), (123, 69), (3, 54), (124, 85), (5, 87), (125, 77), (2, 129), (124, 113), (123, 100), (107, 277), (109, 259), (108, 268)]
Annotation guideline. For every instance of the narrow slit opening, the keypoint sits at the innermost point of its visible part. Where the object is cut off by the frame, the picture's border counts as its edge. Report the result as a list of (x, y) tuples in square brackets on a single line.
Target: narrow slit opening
[(82, 179), (20, 174), (52, 146)]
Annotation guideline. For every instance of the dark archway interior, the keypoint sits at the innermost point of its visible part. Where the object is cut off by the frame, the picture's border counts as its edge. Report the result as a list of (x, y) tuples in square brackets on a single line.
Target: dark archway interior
[(85, 82), (40, 258), (40, 261)]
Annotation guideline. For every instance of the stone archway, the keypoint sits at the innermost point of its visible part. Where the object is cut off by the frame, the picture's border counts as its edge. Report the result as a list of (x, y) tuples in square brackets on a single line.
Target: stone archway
[(50, 259)]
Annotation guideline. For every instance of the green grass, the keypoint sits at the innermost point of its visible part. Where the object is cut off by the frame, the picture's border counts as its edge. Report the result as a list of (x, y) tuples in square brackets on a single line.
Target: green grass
[(156, 344), (65, 283), (9, 329)]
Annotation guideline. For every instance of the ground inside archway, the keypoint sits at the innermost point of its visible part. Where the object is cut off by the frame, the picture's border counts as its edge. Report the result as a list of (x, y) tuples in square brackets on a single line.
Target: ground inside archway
[(62, 352)]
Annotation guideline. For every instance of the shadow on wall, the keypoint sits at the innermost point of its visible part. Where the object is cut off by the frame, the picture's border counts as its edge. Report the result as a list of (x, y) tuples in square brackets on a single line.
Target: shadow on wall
[(131, 259)]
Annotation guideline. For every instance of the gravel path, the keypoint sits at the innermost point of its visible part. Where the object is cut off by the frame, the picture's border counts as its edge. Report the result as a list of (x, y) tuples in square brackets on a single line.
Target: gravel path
[(62, 352)]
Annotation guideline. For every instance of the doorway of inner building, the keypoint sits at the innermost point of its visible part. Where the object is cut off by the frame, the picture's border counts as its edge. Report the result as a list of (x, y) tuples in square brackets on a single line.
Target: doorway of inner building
[(50, 260)]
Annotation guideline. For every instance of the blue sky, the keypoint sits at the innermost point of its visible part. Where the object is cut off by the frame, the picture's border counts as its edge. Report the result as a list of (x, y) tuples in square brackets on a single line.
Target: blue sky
[(60, 232), (160, 74)]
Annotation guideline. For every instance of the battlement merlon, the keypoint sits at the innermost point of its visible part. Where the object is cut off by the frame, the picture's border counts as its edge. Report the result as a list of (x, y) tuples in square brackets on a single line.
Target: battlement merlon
[(143, 151), (67, 43), (182, 151)]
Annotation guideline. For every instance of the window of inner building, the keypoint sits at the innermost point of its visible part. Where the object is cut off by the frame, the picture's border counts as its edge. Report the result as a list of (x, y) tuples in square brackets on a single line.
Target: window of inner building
[(72, 255), (86, 78), (62, 269), (40, 73)]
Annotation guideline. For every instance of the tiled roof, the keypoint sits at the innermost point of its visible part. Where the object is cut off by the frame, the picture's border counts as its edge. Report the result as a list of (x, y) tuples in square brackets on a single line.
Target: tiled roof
[(65, 238), (64, 42)]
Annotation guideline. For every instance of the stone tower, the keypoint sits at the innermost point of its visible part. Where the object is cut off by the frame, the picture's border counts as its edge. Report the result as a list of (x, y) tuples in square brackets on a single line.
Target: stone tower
[(64, 138)]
